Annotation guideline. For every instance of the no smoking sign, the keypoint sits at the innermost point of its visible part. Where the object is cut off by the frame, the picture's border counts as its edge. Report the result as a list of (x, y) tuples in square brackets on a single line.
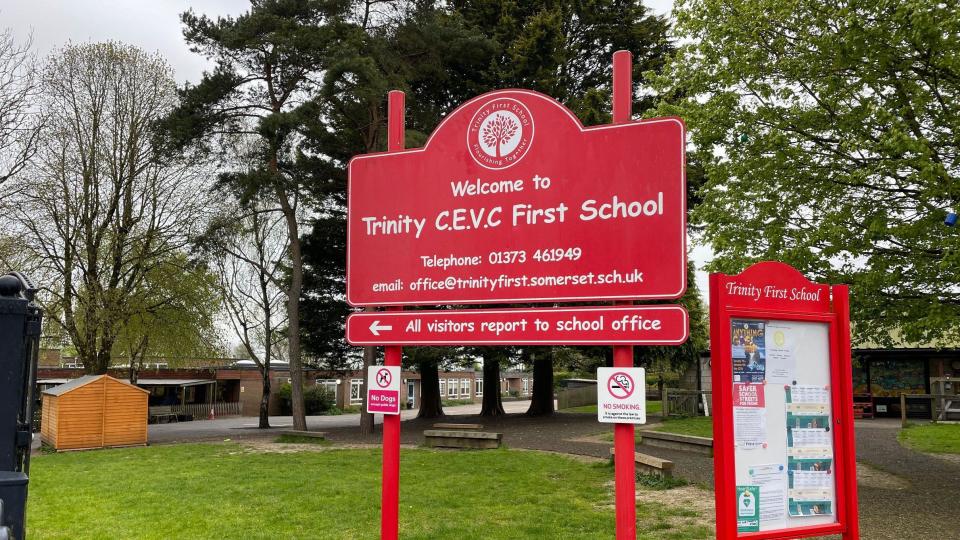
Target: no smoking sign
[(621, 395)]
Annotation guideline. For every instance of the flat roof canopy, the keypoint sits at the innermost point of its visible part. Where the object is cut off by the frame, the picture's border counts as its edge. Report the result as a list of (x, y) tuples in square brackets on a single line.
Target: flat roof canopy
[(174, 382)]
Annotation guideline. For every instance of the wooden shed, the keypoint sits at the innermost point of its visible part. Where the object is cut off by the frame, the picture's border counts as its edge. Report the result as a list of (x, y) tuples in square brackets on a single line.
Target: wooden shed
[(94, 411)]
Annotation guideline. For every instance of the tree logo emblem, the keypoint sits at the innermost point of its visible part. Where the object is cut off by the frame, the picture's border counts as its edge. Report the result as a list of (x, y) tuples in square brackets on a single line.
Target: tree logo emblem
[(500, 133)]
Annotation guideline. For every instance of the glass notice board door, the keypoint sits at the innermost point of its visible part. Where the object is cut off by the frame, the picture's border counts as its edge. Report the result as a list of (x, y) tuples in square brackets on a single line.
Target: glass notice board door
[(782, 424)]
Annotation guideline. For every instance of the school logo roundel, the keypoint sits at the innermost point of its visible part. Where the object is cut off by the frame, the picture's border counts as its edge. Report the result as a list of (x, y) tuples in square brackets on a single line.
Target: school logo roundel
[(500, 133)]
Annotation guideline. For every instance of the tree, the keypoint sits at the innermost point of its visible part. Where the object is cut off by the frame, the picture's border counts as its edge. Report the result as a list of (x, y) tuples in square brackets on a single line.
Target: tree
[(494, 358), (269, 64), (249, 247), (417, 47), (173, 316), (19, 127), (829, 136), (564, 48), (541, 399), (427, 361), (101, 211), (678, 358)]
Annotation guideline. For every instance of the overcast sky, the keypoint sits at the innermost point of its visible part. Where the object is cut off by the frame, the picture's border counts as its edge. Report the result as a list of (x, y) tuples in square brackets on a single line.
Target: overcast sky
[(153, 25)]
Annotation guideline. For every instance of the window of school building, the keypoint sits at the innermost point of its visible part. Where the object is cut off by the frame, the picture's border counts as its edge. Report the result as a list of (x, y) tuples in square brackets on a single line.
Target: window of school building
[(356, 390), (479, 387), (330, 385)]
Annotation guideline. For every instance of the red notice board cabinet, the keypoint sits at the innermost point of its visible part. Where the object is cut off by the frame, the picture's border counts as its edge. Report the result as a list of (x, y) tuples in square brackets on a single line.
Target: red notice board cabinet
[(780, 349)]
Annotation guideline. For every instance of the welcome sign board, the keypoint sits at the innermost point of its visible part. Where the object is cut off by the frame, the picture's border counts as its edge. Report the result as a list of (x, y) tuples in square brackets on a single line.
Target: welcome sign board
[(513, 200)]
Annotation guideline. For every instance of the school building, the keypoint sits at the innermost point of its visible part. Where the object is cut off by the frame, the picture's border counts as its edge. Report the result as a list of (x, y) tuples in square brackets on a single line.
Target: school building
[(235, 386)]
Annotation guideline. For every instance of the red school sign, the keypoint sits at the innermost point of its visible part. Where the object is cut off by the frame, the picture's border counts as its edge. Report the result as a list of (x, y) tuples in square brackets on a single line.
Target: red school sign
[(513, 200), (784, 457)]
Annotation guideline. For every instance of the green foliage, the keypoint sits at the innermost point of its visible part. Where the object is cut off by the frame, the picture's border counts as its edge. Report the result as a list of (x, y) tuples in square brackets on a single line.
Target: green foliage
[(677, 359), (565, 48), (316, 399), (173, 316), (827, 131)]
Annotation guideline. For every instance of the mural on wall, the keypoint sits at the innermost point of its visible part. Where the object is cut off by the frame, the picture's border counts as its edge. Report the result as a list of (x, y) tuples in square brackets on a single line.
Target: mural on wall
[(890, 378)]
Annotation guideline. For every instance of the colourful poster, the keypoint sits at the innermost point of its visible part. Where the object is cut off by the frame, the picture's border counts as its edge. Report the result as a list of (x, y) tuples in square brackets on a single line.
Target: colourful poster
[(748, 508), (748, 351), (748, 395)]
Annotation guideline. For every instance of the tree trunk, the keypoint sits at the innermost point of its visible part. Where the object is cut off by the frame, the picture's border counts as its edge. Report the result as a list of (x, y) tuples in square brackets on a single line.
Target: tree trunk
[(430, 398), (293, 311), (492, 402), (541, 402), (366, 419), (136, 359), (265, 400)]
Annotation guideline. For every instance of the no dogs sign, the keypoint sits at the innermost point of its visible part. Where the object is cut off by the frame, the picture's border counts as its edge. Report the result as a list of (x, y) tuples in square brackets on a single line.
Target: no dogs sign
[(383, 393), (621, 395)]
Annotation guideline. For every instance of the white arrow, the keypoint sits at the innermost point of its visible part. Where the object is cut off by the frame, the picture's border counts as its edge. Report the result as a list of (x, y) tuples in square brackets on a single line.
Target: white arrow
[(376, 327)]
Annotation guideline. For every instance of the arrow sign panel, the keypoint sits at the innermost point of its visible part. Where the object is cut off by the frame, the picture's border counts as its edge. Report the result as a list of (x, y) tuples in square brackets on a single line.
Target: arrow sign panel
[(376, 327), (621, 325)]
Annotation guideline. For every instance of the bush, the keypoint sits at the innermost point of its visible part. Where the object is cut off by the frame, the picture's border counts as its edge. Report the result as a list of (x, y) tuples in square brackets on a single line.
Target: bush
[(316, 399)]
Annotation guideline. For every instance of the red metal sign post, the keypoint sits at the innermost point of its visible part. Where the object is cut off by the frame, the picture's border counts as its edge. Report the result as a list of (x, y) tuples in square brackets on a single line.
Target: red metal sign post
[(783, 344), (390, 499), (623, 440)]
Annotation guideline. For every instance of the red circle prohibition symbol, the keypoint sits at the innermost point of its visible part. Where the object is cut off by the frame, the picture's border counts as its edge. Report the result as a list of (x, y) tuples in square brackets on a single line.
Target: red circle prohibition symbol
[(384, 378), (620, 385)]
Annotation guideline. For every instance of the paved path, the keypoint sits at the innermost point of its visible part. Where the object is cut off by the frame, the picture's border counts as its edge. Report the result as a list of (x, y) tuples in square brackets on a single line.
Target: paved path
[(923, 503)]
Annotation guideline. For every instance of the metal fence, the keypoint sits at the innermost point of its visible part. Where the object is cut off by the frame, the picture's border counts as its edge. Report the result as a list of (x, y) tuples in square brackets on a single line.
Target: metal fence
[(942, 406), (202, 410)]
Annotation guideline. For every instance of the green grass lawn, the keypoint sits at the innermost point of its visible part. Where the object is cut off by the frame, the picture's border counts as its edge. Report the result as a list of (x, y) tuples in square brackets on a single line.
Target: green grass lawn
[(699, 426), (653, 407), (228, 491), (934, 438)]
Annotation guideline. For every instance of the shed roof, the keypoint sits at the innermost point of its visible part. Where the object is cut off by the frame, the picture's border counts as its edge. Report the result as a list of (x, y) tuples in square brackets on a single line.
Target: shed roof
[(83, 381)]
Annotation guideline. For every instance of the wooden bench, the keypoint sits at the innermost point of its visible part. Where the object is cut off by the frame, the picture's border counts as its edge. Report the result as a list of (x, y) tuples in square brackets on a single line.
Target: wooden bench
[(648, 464), (462, 427), (310, 434), (451, 438), (163, 412), (687, 443)]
